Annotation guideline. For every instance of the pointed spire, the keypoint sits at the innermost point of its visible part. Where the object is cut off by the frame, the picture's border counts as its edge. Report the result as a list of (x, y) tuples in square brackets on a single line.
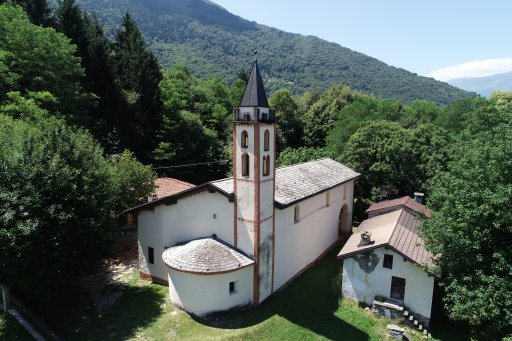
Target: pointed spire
[(255, 95)]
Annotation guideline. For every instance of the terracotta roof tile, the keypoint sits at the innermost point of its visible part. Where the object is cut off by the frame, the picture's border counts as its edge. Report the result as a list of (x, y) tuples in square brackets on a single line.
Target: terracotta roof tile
[(170, 186), (205, 256), (403, 201)]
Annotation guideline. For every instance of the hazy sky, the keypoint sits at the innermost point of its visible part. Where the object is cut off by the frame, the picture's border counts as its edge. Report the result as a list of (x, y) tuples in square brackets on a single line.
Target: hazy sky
[(444, 39)]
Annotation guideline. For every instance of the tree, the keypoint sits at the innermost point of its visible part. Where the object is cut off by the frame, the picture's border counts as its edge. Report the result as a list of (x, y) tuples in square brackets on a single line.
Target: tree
[(59, 200), (289, 122), (37, 10), (132, 181), (95, 52), (319, 118), (291, 156), (138, 74), (470, 231), (354, 115), (394, 160), (184, 140), (39, 59)]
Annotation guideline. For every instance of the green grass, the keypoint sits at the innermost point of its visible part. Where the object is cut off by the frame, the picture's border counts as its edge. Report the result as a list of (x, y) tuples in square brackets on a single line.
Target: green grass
[(308, 309), (10, 329)]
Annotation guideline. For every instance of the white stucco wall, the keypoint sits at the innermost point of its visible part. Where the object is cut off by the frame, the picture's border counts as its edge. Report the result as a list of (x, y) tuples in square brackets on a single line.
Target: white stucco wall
[(202, 294), (298, 244), (188, 219), (363, 287)]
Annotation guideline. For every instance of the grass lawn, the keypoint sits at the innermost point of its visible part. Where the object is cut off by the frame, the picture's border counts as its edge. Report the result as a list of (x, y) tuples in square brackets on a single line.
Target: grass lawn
[(308, 309), (10, 329)]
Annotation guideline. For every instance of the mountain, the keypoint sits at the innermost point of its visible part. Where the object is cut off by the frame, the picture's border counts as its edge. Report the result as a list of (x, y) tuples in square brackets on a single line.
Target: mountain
[(210, 41), (485, 86)]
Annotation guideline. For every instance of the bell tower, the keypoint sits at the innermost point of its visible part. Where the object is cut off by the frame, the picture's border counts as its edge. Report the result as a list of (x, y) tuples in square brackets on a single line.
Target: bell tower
[(254, 154)]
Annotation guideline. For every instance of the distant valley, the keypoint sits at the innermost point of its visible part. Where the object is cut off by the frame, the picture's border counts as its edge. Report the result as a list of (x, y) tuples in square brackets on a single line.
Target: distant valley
[(485, 86)]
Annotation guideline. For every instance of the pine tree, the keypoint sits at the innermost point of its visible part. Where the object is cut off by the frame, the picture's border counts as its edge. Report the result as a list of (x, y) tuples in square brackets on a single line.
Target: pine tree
[(38, 10), (95, 50), (138, 74)]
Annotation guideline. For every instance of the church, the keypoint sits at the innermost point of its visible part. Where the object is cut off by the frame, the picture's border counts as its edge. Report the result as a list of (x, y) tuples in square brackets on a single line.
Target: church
[(233, 242)]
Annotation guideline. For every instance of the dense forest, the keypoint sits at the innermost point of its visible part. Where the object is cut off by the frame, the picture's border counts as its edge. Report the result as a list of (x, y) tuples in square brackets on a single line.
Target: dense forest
[(86, 120), (210, 41)]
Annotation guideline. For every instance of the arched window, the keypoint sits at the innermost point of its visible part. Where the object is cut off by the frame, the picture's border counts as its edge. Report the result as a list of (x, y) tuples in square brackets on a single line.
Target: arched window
[(266, 139), (245, 139), (266, 165), (327, 198), (245, 164), (296, 216)]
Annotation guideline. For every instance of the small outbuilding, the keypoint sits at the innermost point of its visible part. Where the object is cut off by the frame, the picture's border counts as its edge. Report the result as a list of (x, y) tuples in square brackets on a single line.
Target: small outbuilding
[(386, 259)]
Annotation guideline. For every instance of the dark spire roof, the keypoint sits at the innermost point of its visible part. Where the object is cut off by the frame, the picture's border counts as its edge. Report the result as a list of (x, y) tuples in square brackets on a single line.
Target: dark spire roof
[(255, 95)]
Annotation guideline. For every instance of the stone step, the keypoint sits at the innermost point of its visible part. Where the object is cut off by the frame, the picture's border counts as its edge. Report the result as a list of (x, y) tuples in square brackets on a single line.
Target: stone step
[(425, 332), (411, 318), (415, 322), (420, 327), (406, 313)]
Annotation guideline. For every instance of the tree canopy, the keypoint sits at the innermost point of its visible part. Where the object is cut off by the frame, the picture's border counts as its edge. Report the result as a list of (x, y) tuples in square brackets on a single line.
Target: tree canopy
[(60, 197), (470, 230)]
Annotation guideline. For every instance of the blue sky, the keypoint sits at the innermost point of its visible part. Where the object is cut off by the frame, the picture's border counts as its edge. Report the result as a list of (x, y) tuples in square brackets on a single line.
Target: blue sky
[(442, 39)]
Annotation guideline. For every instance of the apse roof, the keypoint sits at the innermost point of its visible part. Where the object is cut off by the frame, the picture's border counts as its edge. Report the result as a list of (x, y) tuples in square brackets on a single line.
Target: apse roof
[(206, 256)]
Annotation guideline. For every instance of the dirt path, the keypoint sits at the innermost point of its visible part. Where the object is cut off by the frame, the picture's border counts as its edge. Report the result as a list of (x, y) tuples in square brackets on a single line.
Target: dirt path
[(106, 286)]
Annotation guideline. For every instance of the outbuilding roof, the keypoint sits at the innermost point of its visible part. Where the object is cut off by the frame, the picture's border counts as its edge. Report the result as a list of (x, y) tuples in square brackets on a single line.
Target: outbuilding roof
[(298, 182), (403, 201), (205, 256), (170, 186), (396, 230)]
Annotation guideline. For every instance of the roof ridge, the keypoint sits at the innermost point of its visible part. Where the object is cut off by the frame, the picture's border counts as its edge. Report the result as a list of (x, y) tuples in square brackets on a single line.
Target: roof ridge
[(395, 225), (305, 162)]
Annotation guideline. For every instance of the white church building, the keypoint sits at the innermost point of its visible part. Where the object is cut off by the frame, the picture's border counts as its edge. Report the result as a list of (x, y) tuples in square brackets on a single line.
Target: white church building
[(233, 242)]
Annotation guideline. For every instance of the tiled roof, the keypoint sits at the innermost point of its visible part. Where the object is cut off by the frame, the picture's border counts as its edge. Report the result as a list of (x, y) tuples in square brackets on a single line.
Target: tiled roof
[(170, 186), (404, 201), (205, 256), (398, 230), (293, 183), (297, 182)]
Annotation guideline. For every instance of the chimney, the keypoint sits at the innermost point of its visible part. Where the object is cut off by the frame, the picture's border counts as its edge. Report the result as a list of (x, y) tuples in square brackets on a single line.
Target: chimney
[(419, 197), (366, 238), (152, 197)]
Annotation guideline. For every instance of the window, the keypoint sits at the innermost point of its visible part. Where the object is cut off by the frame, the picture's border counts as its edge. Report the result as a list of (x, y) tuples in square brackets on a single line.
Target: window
[(266, 165), (233, 287), (266, 140), (245, 164), (327, 198), (245, 139), (344, 191), (151, 255), (388, 261), (296, 216), (215, 216), (397, 288)]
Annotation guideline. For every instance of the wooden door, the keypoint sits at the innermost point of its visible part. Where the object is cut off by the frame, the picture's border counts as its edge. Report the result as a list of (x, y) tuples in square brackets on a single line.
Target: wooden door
[(397, 288)]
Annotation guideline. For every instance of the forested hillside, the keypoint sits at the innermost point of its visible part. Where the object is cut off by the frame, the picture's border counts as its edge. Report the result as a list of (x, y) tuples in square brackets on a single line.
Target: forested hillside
[(210, 41)]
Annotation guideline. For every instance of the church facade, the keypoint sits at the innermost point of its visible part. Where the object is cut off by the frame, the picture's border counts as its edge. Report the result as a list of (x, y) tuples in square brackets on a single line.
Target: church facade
[(233, 242)]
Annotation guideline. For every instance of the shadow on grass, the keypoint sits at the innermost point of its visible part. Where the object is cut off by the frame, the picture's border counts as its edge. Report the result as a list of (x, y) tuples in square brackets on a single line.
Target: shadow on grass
[(310, 301), (74, 316), (139, 306)]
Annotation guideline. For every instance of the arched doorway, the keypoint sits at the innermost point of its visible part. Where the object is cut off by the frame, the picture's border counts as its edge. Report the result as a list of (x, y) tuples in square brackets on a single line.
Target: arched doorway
[(344, 224)]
